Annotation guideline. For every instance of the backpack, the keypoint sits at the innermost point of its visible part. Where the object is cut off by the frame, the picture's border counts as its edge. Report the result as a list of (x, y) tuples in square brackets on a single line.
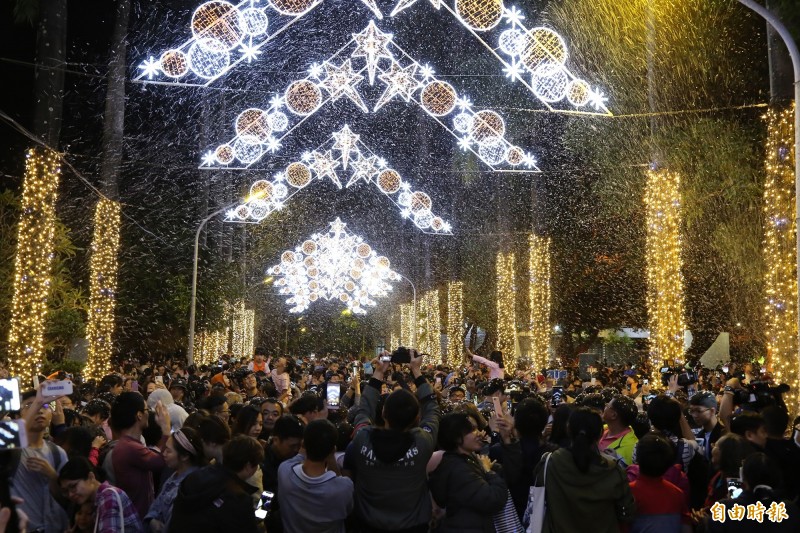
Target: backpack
[(16, 456), (699, 474)]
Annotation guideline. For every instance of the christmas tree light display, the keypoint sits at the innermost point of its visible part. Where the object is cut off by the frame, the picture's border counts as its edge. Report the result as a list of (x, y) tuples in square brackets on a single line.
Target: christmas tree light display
[(539, 298), (429, 325), (535, 57), (455, 321), (343, 155), (261, 130), (506, 310), (334, 265)]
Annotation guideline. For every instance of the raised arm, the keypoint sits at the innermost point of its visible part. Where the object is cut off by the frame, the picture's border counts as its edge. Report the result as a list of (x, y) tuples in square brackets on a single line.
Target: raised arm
[(365, 412)]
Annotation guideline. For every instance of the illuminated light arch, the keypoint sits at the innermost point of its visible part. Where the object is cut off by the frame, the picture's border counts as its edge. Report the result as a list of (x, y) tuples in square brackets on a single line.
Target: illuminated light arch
[(336, 265), (369, 56), (224, 35), (535, 57), (343, 155)]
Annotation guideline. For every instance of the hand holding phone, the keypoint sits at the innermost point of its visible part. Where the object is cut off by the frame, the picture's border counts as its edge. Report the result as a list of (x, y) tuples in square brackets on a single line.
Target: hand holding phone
[(332, 394), (9, 395), (498, 407), (264, 504)]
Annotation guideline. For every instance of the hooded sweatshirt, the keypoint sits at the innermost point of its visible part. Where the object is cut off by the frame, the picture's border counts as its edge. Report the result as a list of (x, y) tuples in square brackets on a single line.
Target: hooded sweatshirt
[(595, 500), (213, 499), (177, 414), (390, 465)]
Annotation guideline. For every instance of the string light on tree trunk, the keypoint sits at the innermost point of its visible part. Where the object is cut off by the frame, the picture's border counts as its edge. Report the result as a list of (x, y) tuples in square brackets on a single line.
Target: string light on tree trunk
[(361, 163), (506, 309), (429, 327), (780, 255), (406, 324), (33, 264), (337, 265), (535, 57), (103, 288), (455, 321), (539, 298), (243, 331), (665, 297), (480, 131)]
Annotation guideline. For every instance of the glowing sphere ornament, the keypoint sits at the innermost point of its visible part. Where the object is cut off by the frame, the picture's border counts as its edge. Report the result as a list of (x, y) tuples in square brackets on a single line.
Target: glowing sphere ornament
[(261, 189), (303, 97), (420, 202), (292, 7), (480, 15), (174, 63), (389, 181), (206, 59), (247, 149), (462, 122), (259, 209), (487, 125), (278, 121), (515, 156), (578, 93), (217, 26), (550, 87), (512, 42), (253, 123), (543, 46), (224, 154), (492, 151), (438, 98), (254, 21), (298, 175), (243, 212)]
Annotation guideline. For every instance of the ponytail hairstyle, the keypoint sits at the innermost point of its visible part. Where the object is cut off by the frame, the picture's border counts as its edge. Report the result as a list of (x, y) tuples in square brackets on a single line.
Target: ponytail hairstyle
[(585, 427), (497, 357)]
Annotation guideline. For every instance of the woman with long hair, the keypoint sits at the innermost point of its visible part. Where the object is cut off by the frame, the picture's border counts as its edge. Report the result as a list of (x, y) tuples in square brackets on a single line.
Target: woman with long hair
[(183, 454), (727, 457), (494, 363), (465, 483), (249, 421), (584, 490)]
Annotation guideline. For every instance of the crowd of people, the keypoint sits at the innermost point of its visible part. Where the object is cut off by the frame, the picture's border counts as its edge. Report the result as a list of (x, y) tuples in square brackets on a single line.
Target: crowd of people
[(338, 444)]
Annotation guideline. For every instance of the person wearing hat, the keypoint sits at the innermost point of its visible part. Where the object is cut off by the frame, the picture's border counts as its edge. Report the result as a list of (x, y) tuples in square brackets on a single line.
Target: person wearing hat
[(457, 393), (703, 409), (177, 387)]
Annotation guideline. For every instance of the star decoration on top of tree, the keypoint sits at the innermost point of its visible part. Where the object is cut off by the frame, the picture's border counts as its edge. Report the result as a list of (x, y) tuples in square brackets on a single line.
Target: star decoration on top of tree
[(372, 44)]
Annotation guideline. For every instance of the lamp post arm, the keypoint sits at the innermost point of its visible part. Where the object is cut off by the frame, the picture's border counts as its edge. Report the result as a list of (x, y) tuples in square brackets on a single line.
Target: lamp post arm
[(193, 302)]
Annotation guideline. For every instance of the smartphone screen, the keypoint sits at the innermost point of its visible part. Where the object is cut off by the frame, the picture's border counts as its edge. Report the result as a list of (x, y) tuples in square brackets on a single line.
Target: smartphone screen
[(9, 395), (498, 408), (332, 394), (438, 380), (264, 504), (558, 394), (57, 388), (734, 487), (135, 386), (13, 434), (160, 379)]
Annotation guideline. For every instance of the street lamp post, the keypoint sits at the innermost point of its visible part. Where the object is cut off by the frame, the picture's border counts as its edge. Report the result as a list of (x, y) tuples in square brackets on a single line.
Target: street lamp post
[(413, 311), (193, 302), (779, 27)]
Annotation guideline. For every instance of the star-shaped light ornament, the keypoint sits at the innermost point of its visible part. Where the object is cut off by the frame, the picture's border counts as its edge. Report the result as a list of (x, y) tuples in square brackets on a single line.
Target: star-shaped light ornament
[(364, 168), (405, 4), (150, 67), (341, 81), (346, 143), (324, 165), (399, 81), (372, 44)]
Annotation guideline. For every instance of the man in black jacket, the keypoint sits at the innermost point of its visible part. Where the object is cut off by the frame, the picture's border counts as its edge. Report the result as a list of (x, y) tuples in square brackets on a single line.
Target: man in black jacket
[(389, 463), (216, 498)]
